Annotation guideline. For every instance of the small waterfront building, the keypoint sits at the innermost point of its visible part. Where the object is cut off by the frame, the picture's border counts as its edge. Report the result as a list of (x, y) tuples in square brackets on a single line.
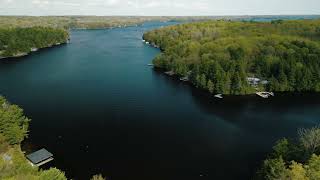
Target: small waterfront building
[(40, 157)]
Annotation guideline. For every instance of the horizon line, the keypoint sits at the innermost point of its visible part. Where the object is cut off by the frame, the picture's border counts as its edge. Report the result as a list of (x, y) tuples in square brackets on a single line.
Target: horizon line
[(167, 15)]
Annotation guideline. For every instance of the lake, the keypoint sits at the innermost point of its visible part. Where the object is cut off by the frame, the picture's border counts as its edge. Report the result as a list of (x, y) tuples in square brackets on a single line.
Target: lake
[(98, 107)]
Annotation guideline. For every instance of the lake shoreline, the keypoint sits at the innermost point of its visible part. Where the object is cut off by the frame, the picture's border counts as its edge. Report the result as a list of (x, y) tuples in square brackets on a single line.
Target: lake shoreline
[(23, 54), (100, 84)]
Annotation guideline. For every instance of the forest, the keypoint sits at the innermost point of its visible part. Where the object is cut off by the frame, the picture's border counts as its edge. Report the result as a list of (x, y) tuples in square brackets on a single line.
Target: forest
[(84, 22), (98, 22), (21, 41), (220, 56), (294, 159), (67, 22)]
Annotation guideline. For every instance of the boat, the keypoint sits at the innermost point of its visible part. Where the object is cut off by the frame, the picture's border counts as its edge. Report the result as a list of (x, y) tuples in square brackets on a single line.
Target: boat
[(150, 64), (218, 96)]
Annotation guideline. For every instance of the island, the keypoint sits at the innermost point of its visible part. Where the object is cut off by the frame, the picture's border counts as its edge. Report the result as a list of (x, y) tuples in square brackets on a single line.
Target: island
[(241, 57)]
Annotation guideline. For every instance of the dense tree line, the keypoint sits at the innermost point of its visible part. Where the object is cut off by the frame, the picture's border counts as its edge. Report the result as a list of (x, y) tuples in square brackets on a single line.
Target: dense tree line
[(219, 56), (18, 41), (297, 159)]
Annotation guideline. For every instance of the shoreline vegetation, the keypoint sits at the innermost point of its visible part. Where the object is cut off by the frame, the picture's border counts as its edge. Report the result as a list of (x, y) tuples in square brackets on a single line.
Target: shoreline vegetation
[(13, 163), (241, 57), (18, 42), (296, 159), (13, 130), (25, 23)]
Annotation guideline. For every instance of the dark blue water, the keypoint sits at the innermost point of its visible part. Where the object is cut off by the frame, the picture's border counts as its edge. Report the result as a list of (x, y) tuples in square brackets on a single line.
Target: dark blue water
[(98, 107)]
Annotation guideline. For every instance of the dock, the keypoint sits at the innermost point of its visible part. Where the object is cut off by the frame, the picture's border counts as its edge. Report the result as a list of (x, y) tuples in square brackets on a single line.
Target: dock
[(265, 94), (218, 96), (40, 157)]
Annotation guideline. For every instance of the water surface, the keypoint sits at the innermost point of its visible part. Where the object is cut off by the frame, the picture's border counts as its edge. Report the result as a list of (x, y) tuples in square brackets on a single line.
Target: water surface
[(98, 107)]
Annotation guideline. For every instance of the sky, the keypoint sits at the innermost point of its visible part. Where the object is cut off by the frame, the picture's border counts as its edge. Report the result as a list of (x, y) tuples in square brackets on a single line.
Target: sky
[(159, 7)]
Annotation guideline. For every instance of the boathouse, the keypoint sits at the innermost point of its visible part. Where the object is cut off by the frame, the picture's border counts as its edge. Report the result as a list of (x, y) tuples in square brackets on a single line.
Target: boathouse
[(40, 157)]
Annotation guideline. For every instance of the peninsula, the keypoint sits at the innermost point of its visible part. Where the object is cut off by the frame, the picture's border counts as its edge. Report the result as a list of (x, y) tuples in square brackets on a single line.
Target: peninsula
[(234, 57)]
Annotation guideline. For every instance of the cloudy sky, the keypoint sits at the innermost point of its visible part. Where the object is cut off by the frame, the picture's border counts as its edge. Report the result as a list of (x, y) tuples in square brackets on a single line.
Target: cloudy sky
[(158, 7)]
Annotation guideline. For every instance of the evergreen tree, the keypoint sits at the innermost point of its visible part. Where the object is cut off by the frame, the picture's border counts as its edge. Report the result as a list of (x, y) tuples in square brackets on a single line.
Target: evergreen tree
[(210, 86)]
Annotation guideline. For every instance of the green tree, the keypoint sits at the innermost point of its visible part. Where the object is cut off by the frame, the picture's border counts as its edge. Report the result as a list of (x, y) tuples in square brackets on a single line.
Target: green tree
[(313, 167), (281, 149), (51, 174), (203, 81), (13, 124), (210, 86), (296, 172), (98, 177), (273, 169), (310, 139)]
